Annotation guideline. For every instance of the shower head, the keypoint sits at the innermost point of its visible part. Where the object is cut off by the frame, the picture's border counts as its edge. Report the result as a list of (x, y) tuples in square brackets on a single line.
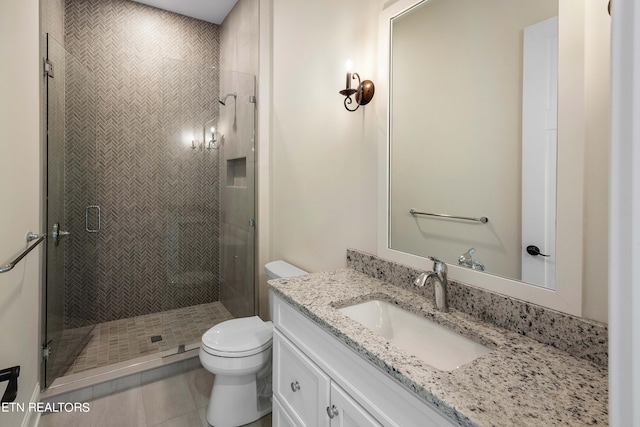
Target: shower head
[(223, 101)]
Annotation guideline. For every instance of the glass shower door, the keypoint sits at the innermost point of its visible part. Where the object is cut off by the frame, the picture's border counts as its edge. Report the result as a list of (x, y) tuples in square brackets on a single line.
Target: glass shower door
[(191, 202), (208, 127), (237, 195), (72, 217)]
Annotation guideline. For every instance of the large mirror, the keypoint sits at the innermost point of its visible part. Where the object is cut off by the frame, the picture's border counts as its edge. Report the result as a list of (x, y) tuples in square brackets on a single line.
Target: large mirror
[(473, 97), (486, 105)]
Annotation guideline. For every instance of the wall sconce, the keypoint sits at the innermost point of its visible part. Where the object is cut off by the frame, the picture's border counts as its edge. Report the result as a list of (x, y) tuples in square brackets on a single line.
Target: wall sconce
[(363, 93), (214, 139), (195, 144)]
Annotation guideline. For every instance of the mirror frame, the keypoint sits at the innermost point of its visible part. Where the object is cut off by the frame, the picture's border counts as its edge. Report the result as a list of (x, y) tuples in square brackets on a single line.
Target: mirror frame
[(567, 297)]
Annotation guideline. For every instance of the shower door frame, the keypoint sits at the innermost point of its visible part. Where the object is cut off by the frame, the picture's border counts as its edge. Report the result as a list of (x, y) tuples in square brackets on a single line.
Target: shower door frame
[(55, 234)]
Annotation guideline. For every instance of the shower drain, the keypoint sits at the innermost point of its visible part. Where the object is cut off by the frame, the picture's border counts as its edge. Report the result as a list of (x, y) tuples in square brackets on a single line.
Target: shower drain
[(156, 338)]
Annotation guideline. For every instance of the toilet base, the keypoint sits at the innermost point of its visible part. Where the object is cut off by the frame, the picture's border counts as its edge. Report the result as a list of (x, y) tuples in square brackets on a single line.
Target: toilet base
[(235, 401)]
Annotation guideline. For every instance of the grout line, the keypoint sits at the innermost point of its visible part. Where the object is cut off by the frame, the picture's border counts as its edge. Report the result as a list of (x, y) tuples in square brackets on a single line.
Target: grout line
[(120, 340)]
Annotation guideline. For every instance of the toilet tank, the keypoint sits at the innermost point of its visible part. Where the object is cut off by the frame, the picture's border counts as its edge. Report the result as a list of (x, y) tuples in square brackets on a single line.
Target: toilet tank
[(280, 269)]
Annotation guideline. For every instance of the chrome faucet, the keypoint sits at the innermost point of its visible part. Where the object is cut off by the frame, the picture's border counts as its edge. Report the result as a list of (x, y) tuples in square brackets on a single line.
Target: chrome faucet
[(466, 260), (439, 276)]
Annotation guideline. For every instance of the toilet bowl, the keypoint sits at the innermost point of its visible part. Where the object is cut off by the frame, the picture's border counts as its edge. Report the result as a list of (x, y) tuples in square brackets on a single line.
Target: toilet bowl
[(238, 353)]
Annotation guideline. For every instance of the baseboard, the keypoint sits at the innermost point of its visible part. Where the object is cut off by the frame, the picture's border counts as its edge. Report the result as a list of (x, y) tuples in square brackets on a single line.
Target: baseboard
[(31, 418)]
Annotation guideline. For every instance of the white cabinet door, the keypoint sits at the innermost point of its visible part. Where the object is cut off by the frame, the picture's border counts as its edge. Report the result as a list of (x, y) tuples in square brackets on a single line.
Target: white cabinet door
[(346, 412), (280, 416), (300, 386)]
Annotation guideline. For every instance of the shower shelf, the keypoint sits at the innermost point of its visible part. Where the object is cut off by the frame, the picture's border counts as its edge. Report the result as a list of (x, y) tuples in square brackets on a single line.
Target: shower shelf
[(237, 172)]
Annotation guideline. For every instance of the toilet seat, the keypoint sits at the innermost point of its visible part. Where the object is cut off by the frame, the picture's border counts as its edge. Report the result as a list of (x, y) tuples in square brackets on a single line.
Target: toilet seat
[(240, 337)]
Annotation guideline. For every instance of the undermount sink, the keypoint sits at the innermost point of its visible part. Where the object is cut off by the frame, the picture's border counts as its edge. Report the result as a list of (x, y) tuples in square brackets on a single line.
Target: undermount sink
[(434, 344)]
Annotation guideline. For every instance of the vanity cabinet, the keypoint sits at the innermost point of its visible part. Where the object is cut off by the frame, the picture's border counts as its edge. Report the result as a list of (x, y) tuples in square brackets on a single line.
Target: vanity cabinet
[(306, 394), (298, 384), (320, 382)]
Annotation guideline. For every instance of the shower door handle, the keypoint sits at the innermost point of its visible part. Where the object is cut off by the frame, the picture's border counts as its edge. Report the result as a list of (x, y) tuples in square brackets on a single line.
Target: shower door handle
[(86, 219)]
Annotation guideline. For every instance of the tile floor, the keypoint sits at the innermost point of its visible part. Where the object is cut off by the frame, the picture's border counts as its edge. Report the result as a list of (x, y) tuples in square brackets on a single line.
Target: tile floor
[(126, 339), (178, 401)]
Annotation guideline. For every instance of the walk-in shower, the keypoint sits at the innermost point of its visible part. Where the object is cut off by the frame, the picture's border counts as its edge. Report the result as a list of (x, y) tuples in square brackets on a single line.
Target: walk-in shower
[(161, 235)]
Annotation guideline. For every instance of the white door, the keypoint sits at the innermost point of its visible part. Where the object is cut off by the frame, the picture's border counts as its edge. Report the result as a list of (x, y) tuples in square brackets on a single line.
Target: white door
[(539, 152)]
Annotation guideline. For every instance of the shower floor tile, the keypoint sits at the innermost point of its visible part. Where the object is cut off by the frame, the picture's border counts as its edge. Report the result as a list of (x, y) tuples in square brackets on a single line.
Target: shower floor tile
[(125, 339)]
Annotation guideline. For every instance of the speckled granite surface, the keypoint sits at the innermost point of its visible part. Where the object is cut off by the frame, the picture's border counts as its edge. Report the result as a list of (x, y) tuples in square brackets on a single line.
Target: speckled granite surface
[(582, 338), (522, 382)]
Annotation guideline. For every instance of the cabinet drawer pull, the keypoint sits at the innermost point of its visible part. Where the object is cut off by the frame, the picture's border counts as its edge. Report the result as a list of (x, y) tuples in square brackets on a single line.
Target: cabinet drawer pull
[(295, 386), (332, 411)]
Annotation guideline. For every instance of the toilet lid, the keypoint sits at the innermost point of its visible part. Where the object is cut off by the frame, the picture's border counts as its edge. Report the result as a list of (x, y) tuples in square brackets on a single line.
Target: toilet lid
[(238, 337)]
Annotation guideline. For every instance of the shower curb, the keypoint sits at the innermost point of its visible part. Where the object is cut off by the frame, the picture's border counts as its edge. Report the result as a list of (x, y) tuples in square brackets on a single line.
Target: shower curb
[(100, 382)]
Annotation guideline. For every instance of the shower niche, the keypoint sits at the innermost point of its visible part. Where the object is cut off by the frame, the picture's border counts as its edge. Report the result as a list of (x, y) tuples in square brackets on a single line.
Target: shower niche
[(237, 172)]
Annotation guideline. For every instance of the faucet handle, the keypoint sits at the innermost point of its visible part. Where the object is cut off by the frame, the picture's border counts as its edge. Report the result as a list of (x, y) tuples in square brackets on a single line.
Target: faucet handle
[(468, 255), (438, 266), (466, 259), (421, 280)]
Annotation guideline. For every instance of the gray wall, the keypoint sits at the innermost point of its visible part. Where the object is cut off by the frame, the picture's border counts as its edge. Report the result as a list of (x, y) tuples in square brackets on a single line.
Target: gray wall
[(158, 245)]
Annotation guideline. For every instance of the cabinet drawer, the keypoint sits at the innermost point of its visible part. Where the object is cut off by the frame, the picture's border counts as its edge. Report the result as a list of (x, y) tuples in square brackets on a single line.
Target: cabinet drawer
[(300, 386)]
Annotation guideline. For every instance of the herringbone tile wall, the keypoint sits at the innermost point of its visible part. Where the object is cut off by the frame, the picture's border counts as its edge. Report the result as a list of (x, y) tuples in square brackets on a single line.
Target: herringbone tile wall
[(146, 99)]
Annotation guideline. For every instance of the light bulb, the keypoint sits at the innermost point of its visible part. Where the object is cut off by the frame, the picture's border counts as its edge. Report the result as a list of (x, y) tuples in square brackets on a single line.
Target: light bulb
[(348, 67)]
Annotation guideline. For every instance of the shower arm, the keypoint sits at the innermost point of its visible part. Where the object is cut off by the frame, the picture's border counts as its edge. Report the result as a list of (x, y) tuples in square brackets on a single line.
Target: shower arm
[(223, 100)]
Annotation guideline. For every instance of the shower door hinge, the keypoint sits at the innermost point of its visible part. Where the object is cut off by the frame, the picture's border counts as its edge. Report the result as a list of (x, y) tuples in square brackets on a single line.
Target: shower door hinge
[(48, 68), (252, 99), (46, 350), (252, 222)]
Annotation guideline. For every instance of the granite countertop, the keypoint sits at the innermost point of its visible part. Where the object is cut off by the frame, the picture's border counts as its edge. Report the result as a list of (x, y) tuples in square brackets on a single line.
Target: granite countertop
[(520, 382)]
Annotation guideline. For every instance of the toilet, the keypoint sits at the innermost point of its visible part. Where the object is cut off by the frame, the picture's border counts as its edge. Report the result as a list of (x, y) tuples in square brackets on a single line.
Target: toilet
[(238, 353)]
